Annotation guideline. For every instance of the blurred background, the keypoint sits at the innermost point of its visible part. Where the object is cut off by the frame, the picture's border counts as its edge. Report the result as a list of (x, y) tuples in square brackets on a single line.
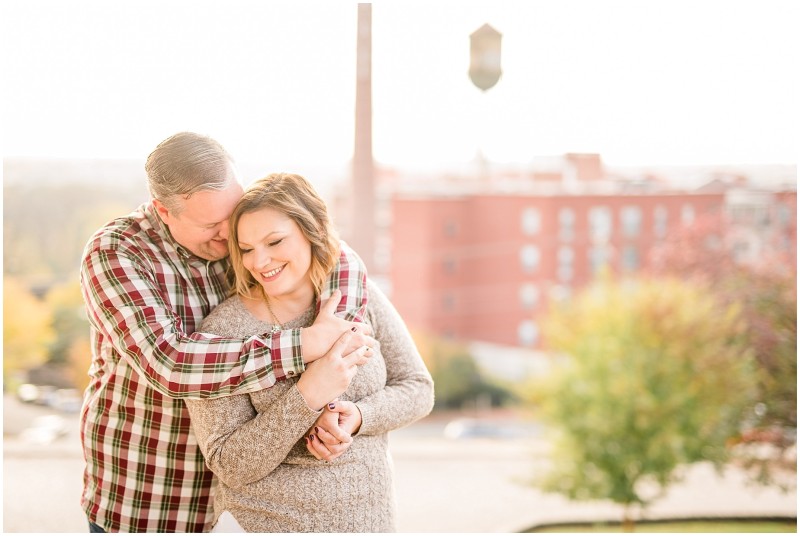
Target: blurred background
[(585, 212)]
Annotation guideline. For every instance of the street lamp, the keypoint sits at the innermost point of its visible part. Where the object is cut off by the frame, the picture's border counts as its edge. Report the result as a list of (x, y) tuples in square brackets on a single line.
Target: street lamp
[(484, 71), (484, 52)]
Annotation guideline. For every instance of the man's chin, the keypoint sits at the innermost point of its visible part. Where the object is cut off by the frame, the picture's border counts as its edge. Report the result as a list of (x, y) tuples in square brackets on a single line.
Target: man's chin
[(214, 253)]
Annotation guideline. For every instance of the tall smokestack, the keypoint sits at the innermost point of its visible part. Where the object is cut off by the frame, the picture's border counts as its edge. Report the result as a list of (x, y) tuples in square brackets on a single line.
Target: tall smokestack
[(363, 198)]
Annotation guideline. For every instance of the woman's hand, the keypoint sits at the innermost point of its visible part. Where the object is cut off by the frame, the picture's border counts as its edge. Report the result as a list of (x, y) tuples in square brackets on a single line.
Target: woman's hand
[(330, 376), (332, 434), (318, 338)]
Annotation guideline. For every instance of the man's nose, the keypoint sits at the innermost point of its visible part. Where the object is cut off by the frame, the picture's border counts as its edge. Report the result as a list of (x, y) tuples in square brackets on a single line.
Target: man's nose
[(224, 230)]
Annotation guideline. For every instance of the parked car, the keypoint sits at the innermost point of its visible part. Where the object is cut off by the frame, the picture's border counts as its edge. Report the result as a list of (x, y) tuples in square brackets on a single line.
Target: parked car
[(465, 428), (36, 394), (66, 400)]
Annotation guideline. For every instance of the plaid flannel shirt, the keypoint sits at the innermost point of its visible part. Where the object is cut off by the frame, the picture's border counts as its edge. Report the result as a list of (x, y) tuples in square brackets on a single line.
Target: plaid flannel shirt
[(145, 295)]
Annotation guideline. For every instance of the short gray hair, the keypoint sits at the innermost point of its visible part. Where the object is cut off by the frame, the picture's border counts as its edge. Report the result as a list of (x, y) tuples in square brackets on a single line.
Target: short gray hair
[(184, 164)]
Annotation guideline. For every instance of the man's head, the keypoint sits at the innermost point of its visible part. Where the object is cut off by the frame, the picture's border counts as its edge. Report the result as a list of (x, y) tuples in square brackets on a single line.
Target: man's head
[(194, 186)]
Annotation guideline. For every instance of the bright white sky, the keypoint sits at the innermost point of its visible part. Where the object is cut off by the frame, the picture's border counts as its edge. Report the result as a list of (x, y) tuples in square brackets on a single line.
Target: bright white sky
[(642, 82)]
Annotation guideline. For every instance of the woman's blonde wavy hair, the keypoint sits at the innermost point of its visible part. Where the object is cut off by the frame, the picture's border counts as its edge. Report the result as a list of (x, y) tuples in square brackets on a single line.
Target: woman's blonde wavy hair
[(296, 197)]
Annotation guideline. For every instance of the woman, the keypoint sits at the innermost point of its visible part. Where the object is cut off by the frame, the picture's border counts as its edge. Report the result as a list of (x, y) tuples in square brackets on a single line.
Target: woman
[(272, 476)]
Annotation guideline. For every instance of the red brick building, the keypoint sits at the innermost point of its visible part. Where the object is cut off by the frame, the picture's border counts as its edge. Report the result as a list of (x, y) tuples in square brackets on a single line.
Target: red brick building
[(483, 265), (480, 267)]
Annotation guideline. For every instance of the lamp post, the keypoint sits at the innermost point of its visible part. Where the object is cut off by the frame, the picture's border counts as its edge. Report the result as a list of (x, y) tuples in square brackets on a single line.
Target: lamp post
[(484, 54), (484, 71)]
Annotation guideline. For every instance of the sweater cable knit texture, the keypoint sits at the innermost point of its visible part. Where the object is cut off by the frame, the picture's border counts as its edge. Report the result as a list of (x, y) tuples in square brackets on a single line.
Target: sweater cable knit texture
[(254, 442)]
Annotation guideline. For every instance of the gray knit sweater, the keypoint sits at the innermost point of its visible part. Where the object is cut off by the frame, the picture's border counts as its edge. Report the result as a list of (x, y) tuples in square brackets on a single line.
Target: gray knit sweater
[(254, 443)]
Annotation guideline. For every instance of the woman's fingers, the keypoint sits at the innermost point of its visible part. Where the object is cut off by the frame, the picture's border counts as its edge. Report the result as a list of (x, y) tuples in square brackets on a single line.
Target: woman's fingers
[(334, 437), (318, 449), (359, 356), (361, 328), (311, 449), (351, 341), (341, 346), (356, 340)]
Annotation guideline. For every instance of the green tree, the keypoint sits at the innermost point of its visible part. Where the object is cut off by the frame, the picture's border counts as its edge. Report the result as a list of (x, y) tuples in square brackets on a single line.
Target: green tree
[(655, 375), (27, 330), (768, 299), (79, 360), (766, 292), (69, 319), (456, 377), (46, 225)]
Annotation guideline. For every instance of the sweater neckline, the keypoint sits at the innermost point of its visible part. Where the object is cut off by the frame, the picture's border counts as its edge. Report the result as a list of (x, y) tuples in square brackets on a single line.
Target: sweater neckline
[(305, 319)]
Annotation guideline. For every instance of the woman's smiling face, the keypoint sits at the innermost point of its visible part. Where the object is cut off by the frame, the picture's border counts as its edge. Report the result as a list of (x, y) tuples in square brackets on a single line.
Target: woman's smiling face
[(275, 252)]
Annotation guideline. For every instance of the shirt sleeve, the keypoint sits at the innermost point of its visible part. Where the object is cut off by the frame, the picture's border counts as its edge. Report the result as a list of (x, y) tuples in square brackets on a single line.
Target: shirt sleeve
[(126, 305), (349, 276), (408, 394)]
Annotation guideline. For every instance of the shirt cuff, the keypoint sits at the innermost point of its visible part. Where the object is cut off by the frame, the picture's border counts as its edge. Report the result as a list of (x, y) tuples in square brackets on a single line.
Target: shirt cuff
[(286, 352)]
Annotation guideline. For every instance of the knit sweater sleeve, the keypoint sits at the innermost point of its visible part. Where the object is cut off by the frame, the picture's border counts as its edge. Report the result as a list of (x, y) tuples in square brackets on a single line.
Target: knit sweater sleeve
[(408, 394), (241, 446), (242, 443)]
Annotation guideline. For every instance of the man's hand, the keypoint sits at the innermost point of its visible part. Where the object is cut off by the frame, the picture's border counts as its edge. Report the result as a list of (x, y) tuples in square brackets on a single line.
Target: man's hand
[(327, 328), (330, 376), (332, 434)]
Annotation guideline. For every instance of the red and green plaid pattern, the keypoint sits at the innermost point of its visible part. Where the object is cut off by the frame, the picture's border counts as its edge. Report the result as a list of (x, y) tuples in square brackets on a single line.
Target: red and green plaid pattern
[(145, 295)]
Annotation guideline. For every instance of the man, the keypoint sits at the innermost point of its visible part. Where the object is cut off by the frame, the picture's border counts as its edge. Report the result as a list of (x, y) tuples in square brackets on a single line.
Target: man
[(148, 280)]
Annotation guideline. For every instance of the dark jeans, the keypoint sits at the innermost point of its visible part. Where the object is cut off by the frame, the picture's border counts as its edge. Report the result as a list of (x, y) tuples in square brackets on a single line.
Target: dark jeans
[(95, 528)]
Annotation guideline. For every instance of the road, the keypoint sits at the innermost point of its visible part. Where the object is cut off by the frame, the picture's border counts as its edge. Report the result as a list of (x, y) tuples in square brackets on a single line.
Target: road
[(443, 485)]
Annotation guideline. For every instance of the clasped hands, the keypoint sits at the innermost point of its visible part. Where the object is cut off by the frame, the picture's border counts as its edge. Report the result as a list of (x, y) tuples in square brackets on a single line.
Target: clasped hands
[(332, 433), (328, 376)]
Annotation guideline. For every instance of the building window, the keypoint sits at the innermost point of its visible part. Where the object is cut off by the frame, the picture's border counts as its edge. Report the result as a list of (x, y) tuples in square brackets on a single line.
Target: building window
[(687, 215), (531, 221), (529, 258), (598, 258), (631, 221), (449, 266), (566, 263), (742, 214), (784, 215), (566, 224), (763, 216), (450, 228), (741, 251), (630, 258), (528, 333), (448, 301), (660, 221), (529, 296), (600, 224)]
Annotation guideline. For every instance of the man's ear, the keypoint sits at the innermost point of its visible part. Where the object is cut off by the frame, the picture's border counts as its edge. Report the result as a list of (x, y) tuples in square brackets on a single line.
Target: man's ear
[(162, 211)]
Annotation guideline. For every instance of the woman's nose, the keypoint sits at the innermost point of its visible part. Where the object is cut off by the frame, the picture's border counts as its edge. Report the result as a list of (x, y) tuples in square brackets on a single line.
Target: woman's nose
[(261, 258)]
